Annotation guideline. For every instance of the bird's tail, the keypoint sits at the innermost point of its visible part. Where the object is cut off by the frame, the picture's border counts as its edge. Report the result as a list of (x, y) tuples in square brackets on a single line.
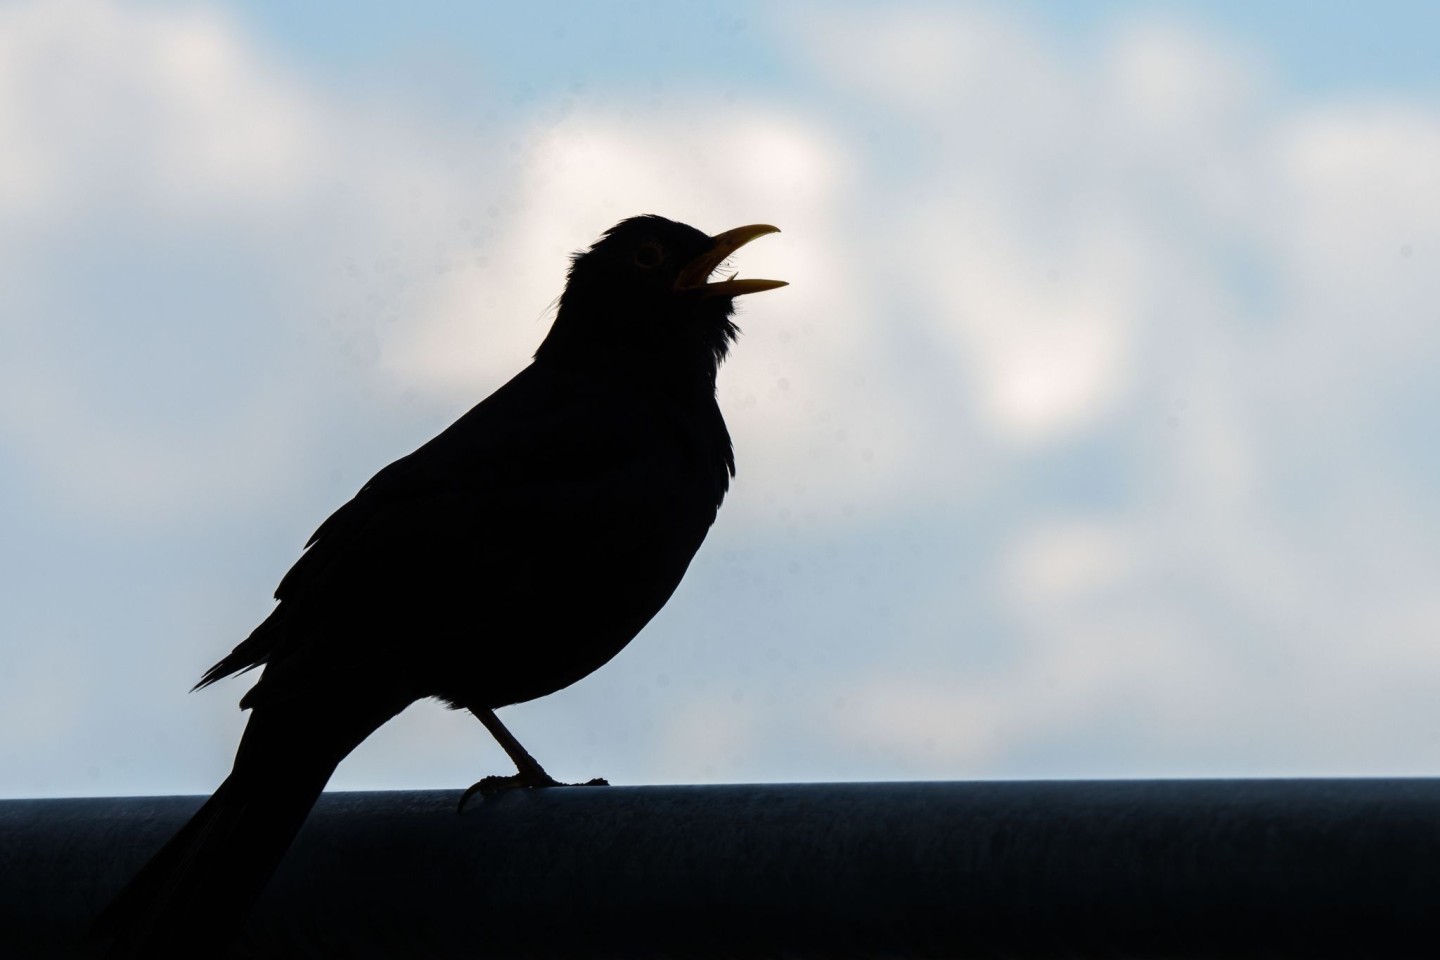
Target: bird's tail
[(194, 893)]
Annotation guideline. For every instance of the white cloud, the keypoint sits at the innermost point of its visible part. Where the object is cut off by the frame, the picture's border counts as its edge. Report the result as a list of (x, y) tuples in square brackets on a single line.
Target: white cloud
[(162, 177), (582, 177), (1066, 560), (1175, 86), (170, 108), (932, 60), (1156, 246), (1006, 256), (791, 386)]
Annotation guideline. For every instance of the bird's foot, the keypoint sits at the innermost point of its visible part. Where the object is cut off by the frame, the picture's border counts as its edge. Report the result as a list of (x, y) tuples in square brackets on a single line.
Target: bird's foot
[(490, 786)]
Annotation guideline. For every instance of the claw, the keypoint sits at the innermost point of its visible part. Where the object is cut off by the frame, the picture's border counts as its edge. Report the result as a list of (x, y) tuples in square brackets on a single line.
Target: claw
[(490, 786)]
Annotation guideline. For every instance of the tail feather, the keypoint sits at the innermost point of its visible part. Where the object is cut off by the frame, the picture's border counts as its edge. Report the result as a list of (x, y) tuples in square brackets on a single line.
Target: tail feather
[(199, 887)]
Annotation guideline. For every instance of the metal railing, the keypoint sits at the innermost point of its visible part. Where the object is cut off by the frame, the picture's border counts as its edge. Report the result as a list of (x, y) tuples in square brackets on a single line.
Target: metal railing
[(1299, 868)]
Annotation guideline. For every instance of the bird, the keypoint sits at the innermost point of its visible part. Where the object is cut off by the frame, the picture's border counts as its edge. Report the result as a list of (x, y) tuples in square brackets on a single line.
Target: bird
[(508, 557)]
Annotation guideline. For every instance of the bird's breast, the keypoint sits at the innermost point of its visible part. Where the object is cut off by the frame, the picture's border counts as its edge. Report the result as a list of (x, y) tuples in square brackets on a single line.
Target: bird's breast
[(600, 553)]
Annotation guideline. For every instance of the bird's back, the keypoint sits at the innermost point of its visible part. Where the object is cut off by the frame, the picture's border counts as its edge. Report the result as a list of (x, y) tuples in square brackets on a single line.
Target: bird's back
[(511, 555)]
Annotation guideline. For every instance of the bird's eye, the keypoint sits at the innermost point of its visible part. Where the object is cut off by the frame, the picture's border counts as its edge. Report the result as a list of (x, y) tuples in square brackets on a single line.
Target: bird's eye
[(649, 256)]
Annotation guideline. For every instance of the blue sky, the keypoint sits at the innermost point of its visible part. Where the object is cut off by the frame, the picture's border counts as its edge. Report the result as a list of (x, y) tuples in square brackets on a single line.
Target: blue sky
[(1318, 48), (1093, 437)]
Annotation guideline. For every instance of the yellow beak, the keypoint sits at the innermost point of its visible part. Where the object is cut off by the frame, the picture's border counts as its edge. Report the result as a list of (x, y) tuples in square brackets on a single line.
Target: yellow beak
[(697, 271)]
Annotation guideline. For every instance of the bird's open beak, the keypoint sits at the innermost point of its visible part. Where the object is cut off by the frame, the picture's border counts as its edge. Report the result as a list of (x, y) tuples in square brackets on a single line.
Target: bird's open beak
[(698, 271)]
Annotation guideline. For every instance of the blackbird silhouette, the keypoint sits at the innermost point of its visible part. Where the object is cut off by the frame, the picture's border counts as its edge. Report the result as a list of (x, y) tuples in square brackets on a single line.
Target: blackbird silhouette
[(505, 559)]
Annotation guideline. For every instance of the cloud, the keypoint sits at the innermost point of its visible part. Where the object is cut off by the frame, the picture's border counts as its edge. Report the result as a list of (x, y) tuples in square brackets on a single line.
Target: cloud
[(791, 388), (1154, 250), (171, 109), (1140, 344), (168, 193)]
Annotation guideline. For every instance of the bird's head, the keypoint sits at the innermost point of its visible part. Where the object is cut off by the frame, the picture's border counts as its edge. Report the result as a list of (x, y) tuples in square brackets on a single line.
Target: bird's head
[(640, 299)]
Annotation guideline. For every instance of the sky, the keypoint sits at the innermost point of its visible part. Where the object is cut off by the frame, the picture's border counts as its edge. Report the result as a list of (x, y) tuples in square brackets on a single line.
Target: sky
[(1094, 436)]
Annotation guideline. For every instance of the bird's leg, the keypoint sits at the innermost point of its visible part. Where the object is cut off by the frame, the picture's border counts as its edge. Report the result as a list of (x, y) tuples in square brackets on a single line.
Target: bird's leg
[(530, 774)]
